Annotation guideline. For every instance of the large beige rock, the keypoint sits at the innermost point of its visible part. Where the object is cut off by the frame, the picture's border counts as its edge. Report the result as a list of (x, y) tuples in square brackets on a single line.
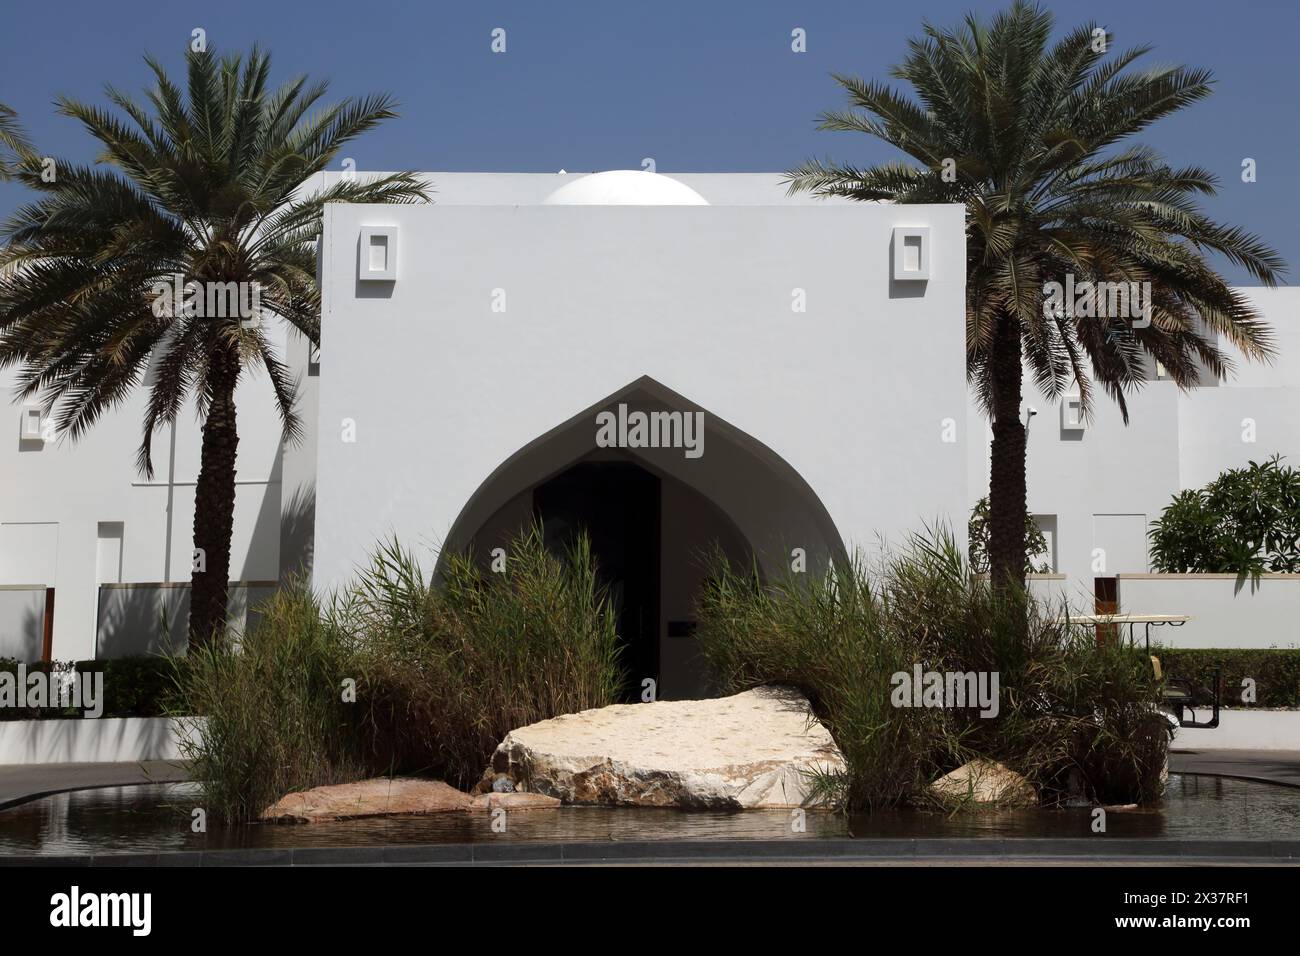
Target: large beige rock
[(750, 751), (986, 781), (381, 797)]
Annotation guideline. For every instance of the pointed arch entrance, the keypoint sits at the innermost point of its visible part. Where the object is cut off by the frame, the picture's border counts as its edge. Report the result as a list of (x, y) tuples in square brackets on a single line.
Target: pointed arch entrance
[(653, 508)]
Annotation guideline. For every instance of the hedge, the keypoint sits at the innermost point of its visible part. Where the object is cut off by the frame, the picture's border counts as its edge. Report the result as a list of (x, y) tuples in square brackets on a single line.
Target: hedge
[(1276, 672), (133, 687)]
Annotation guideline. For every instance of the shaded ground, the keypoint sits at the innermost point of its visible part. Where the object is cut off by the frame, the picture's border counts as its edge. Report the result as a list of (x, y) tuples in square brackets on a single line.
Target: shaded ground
[(22, 782)]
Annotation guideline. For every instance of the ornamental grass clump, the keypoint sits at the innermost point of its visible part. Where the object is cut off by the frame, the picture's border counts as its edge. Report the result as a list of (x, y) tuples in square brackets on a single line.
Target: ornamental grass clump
[(397, 675), (272, 714), (449, 668), (1076, 719)]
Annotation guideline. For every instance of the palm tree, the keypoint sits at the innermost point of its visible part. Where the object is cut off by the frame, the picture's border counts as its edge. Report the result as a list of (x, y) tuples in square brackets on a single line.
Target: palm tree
[(1031, 139), (206, 186), (12, 139)]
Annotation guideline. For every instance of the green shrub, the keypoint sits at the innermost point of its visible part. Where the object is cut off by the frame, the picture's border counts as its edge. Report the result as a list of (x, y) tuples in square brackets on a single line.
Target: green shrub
[(9, 665), (134, 686), (1037, 559), (1246, 521), (1073, 716), (1276, 673)]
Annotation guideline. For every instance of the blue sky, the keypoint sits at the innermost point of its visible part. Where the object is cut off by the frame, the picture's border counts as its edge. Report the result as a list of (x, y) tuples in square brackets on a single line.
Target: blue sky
[(697, 86)]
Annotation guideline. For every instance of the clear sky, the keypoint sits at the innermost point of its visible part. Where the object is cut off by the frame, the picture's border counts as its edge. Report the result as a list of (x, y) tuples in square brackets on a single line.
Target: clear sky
[(698, 86)]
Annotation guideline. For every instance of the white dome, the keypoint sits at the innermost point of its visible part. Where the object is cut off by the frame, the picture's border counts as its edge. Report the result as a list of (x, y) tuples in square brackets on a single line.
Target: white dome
[(625, 187)]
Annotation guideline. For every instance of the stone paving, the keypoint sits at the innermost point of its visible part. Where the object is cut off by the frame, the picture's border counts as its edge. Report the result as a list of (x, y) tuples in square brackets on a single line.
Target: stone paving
[(1269, 766), (22, 782)]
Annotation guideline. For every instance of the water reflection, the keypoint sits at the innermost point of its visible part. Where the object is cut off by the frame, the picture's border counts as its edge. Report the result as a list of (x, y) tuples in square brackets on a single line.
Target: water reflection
[(156, 817)]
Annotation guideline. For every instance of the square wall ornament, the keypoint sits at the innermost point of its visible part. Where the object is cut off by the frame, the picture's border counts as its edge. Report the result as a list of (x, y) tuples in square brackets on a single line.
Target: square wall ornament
[(30, 424), (1072, 414), (911, 253), (377, 254)]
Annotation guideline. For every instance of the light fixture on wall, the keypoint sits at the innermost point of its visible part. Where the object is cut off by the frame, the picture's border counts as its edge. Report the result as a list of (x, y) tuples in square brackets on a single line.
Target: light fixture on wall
[(377, 254), (911, 253), (30, 424), (1072, 414)]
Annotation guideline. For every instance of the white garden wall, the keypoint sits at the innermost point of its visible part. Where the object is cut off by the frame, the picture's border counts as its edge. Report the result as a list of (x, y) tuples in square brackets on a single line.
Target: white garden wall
[(1243, 730), (107, 739)]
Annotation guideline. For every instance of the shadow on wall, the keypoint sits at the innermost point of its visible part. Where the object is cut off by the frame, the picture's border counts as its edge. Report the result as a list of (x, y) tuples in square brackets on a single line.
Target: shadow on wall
[(22, 622), (142, 619), (298, 533), (32, 633), (146, 619)]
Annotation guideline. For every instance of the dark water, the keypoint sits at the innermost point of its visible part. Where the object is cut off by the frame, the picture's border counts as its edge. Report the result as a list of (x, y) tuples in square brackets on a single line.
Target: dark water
[(156, 817)]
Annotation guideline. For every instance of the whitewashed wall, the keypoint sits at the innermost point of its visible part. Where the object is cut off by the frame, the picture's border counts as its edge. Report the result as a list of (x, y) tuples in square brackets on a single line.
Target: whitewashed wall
[(1102, 485), (1222, 428), (853, 394), (1225, 613), (1242, 730), (103, 740)]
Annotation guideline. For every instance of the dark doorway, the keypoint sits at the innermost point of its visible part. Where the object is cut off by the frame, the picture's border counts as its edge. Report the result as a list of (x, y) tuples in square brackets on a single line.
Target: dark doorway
[(617, 504)]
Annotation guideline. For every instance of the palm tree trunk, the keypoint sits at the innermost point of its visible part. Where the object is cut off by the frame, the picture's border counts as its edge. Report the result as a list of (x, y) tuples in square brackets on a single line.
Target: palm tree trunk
[(1007, 497), (214, 503)]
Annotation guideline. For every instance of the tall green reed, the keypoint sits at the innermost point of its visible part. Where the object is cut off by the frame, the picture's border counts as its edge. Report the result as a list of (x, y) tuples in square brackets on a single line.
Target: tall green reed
[(1077, 719)]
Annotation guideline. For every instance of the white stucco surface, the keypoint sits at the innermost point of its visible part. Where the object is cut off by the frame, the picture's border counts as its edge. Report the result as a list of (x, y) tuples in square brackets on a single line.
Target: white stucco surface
[(697, 298)]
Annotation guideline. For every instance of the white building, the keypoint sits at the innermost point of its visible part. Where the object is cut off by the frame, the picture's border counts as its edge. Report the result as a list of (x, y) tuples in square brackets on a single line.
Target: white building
[(469, 349)]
